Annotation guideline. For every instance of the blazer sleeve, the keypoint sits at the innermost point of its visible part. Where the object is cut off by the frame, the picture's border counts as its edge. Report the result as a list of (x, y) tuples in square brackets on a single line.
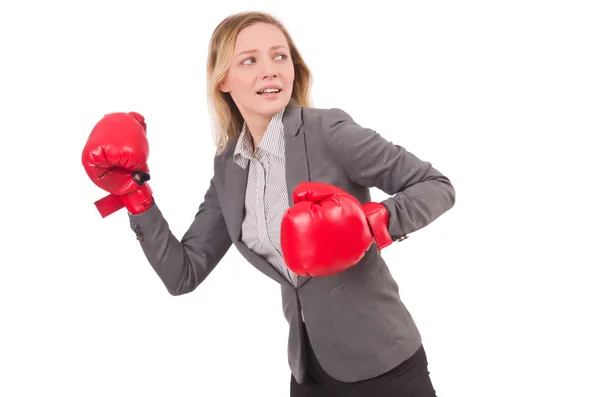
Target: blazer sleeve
[(183, 265), (419, 192)]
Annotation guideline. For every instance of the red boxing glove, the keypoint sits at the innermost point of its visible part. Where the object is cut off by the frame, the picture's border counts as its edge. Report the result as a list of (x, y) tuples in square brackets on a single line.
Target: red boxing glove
[(327, 230), (115, 158)]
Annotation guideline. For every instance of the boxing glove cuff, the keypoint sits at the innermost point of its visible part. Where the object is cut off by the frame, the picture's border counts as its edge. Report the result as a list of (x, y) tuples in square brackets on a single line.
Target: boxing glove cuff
[(139, 201), (378, 216)]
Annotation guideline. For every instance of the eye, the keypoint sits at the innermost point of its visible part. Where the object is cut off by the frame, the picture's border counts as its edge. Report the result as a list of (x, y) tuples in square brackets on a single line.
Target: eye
[(250, 60)]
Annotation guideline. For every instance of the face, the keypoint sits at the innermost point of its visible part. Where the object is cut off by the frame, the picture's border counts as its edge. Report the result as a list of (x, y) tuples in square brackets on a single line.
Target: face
[(261, 60)]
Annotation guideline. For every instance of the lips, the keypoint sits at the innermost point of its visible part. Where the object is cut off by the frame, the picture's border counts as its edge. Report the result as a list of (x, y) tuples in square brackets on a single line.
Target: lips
[(272, 89)]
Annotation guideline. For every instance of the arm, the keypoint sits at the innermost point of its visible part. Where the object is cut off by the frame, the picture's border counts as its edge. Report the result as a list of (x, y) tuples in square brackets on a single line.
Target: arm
[(419, 192), (182, 266)]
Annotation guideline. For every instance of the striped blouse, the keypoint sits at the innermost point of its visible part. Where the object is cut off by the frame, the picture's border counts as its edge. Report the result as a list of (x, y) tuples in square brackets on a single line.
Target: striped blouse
[(266, 193)]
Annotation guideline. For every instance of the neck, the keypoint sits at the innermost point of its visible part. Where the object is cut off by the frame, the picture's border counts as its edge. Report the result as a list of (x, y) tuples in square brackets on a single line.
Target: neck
[(257, 128)]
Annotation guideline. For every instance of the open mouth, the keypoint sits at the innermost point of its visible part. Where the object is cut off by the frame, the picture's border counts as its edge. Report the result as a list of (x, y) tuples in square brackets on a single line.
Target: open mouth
[(269, 91)]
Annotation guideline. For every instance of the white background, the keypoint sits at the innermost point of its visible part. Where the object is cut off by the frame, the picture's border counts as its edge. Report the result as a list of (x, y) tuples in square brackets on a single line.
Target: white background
[(502, 97)]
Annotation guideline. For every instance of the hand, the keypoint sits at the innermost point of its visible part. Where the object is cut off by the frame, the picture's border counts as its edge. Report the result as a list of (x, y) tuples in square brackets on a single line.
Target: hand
[(327, 230), (115, 158)]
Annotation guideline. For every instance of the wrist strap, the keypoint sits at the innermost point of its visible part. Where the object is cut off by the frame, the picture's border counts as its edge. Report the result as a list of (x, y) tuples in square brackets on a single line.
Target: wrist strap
[(377, 216), (108, 205)]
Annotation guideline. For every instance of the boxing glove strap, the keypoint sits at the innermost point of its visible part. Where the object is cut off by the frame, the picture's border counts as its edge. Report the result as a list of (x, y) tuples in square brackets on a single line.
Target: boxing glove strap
[(377, 216), (136, 202), (108, 205)]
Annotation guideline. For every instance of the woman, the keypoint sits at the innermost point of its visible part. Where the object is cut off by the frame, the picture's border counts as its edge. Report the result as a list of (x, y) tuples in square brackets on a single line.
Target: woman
[(350, 334)]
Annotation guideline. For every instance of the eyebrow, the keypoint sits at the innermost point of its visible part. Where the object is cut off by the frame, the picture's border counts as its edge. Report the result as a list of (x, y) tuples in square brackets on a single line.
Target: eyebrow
[(253, 51)]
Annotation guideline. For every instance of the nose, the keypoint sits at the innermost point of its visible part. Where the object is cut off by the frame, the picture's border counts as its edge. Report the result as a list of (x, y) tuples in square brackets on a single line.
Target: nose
[(269, 70)]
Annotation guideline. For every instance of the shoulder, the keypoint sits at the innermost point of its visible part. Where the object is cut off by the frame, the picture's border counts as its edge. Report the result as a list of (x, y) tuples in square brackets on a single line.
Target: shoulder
[(332, 124), (326, 117), (336, 127), (221, 159)]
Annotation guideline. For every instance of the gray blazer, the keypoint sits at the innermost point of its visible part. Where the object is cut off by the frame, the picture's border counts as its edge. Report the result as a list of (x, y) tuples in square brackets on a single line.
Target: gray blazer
[(358, 326)]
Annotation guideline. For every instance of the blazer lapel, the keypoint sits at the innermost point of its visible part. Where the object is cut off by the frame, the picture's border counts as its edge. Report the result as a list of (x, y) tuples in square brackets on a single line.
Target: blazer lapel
[(296, 162), (236, 179)]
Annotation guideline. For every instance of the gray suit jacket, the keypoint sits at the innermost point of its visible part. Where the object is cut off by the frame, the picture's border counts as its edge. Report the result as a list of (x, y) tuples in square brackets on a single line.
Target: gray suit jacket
[(356, 321)]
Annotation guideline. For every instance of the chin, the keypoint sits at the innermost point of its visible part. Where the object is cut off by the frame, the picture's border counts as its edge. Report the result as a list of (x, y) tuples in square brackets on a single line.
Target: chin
[(269, 107), (274, 107)]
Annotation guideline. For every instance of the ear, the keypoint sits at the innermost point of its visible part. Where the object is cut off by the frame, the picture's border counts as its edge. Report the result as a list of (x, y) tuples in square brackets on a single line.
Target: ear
[(223, 86)]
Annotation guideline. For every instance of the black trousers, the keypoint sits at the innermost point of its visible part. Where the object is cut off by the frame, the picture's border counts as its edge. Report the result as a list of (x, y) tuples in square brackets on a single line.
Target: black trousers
[(409, 379)]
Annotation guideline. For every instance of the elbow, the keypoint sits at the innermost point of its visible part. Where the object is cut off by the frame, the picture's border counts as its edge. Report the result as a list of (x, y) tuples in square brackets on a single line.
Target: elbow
[(184, 285), (176, 285), (186, 280), (174, 291), (442, 188), (448, 192), (180, 290)]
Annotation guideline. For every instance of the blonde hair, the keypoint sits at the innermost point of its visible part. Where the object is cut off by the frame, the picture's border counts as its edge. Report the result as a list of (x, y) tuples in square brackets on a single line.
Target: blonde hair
[(227, 119)]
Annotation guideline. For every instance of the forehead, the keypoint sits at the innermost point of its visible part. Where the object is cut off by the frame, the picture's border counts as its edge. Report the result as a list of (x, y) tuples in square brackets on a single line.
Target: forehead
[(258, 37)]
